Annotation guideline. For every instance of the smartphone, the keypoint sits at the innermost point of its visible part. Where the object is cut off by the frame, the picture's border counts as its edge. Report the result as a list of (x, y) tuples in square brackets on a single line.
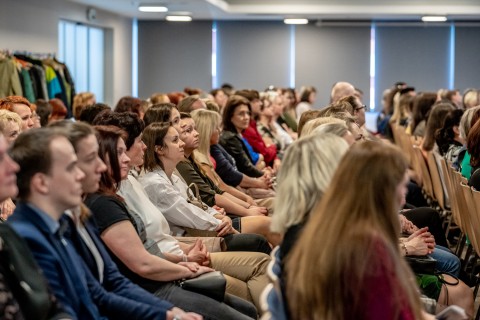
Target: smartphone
[(452, 313)]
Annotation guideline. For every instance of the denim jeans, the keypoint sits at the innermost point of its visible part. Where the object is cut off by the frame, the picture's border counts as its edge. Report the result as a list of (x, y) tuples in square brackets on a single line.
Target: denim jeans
[(447, 262)]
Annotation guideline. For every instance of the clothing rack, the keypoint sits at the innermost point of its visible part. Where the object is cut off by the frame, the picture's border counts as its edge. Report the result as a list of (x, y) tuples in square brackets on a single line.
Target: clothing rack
[(35, 75)]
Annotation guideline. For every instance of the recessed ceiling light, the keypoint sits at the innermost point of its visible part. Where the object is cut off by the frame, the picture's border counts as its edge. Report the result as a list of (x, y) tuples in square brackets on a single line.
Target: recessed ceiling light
[(434, 18), (295, 21), (152, 8), (179, 18)]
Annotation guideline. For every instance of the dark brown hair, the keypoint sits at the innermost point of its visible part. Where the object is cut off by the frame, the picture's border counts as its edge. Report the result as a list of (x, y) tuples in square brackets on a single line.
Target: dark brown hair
[(158, 113), (153, 136), (233, 103), (107, 137)]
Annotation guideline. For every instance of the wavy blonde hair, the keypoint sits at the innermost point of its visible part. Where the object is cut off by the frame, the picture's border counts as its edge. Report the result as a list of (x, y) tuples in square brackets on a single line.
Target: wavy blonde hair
[(311, 125), (303, 179), (356, 228), (206, 122), (9, 116)]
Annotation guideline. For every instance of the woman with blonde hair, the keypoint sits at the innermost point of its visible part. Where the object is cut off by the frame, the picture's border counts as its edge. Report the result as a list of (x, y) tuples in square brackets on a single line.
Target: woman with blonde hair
[(10, 125), (207, 124), (358, 232), (314, 123), (10, 128)]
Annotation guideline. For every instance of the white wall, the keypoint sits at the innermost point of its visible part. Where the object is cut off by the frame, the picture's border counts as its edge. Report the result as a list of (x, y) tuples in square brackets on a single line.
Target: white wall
[(32, 25)]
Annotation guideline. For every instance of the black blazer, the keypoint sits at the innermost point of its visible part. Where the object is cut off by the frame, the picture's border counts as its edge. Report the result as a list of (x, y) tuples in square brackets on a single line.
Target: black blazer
[(235, 146)]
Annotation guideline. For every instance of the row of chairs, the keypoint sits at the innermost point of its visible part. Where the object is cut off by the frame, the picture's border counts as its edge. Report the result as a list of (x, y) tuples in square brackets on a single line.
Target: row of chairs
[(447, 190)]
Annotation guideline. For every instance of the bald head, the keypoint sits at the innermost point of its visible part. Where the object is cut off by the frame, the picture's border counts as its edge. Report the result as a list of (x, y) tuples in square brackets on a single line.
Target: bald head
[(340, 90)]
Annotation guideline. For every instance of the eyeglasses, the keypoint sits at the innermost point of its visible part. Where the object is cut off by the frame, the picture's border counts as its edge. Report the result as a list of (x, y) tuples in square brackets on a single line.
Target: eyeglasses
[(362, 107)]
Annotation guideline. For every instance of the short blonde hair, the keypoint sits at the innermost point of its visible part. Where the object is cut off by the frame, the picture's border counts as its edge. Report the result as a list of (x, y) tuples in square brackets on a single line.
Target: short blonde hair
[(303, 179), (339, 129), (9, 116), (314, 123)]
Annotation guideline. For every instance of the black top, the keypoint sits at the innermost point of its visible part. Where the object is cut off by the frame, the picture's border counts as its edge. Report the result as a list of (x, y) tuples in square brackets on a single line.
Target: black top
[(234, 145), (107, 211), (226, 168)]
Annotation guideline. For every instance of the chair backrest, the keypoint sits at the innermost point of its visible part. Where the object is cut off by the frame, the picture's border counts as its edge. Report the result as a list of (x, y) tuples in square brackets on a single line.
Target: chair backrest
[(403, 141), (438, 180), (422, 165), (450, 185), (460, 200), (469, 216)]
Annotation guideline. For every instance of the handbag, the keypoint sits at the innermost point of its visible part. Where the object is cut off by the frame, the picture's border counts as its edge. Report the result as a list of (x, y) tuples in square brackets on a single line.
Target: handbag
[(193, 196), (421, 264), (211, 284)]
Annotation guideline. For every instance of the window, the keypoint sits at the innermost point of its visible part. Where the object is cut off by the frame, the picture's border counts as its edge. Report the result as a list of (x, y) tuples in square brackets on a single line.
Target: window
[(81, 48)]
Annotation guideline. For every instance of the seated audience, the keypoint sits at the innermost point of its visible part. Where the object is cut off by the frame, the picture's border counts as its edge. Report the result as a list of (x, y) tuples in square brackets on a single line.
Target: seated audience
[(236, 119), (49, 182), (83, 233), (160, 180), (250, 133), (136, 255), (207, 124), (374, 246)]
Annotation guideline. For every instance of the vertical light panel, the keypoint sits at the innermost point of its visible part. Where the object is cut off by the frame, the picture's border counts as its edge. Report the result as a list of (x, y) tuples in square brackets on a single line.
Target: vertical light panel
[(81, 57), (135, 57), (214, 55), (292, 56), (372, 67), (96, 69), (61, 43), (451, 65)]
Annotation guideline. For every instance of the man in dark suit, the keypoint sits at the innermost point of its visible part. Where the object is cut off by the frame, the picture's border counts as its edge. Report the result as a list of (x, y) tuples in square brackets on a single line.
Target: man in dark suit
[(49, 182)]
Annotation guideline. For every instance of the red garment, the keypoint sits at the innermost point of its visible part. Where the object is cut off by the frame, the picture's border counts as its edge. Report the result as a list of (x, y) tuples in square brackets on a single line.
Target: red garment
[(213, 162), (255, 139), (381, 289)]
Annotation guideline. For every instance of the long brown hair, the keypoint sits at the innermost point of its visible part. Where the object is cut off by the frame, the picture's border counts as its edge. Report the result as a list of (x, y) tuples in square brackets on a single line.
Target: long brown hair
[(356, 217), (107, 137)]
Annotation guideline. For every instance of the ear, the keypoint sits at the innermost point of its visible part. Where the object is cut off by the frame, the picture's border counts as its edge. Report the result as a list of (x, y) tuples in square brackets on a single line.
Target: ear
[(40, 183), (456, 130), (159, 151)]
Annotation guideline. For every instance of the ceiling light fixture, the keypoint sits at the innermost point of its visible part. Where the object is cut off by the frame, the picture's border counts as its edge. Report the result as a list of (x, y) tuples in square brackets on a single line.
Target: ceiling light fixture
[(179, 18), (434, 18), (295, 21), (152, 8)]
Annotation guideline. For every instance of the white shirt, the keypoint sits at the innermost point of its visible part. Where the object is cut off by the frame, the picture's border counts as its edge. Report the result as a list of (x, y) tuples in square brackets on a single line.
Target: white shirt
[(170, 197), (301, 108), (283, 135), (155, 223)]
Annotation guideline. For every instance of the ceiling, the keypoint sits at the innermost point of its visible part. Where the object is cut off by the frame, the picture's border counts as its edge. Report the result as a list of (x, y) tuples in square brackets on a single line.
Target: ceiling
[(400, 10)]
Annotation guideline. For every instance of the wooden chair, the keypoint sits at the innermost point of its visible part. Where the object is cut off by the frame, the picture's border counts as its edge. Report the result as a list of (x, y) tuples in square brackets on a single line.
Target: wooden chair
[(437, 182), (455, 216), (425, 174)]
